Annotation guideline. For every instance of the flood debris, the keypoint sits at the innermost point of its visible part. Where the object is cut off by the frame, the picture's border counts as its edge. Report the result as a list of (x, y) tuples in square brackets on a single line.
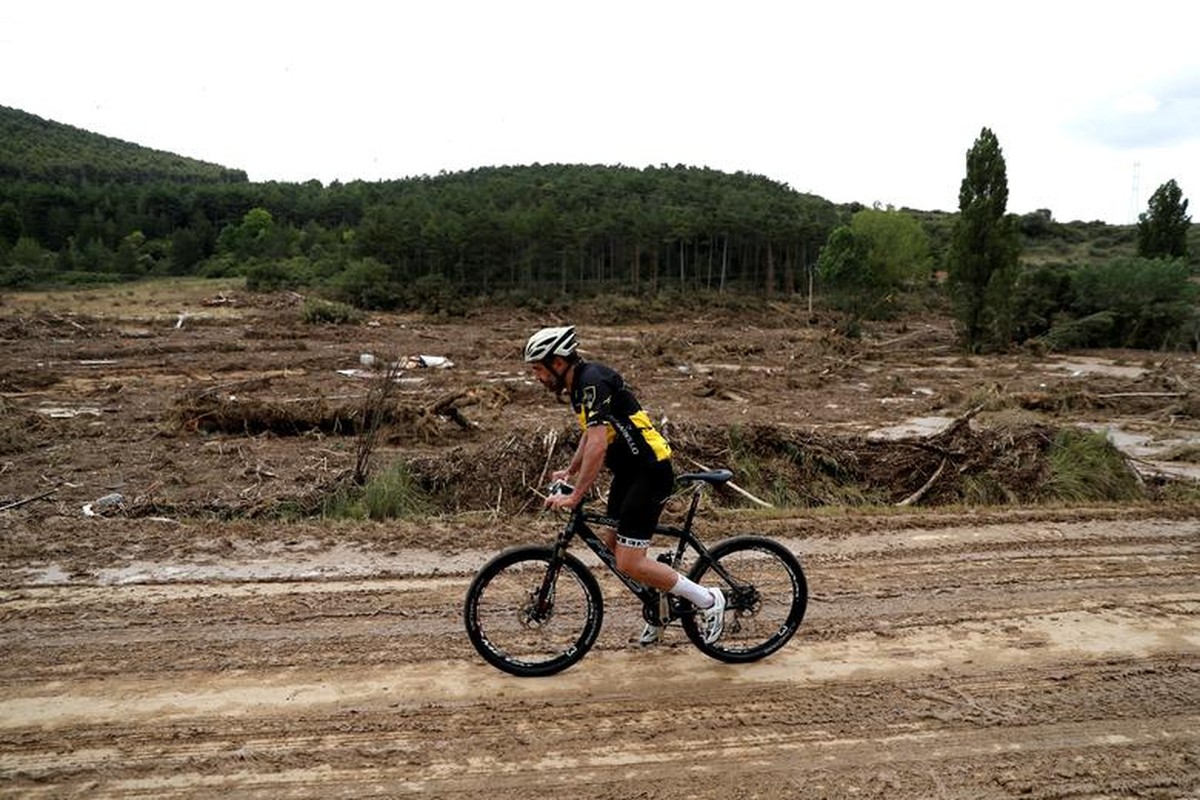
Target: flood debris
[(27, 500), (370, 365), (104, 505), (67, 412), (405, 419)]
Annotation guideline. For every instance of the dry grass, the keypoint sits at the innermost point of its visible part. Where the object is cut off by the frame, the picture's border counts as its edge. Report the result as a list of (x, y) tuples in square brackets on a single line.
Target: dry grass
[(147, 301)]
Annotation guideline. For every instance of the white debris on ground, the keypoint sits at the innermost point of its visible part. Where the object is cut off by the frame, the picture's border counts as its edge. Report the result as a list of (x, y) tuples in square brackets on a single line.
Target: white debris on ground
[(370, 366)]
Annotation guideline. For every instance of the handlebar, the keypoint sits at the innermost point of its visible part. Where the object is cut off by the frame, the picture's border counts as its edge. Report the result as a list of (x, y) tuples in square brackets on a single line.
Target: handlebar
[(714, 477)]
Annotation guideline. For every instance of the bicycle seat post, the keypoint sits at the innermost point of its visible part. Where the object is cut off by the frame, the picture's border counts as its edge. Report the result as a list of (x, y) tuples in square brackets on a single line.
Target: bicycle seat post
[(697, 489)]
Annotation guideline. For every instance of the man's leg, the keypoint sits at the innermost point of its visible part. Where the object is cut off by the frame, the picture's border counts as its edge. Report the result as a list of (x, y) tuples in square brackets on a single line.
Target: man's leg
[(635, 563), (632, 560), (653, 573), (639, 504)]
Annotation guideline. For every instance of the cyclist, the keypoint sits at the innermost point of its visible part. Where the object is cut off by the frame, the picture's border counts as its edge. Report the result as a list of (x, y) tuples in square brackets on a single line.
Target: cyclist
[(618, 434)]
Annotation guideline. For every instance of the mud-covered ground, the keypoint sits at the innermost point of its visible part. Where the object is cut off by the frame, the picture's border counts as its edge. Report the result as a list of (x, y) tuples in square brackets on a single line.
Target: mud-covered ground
[(196, 639)]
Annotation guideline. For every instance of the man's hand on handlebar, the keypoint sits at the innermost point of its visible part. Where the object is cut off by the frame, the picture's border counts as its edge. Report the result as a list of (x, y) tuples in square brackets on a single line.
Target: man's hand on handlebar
[(561, 494)]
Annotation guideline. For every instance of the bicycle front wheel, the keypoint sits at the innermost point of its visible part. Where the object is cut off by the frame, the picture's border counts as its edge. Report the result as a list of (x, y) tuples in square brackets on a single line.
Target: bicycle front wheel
[(528, 622), (765, 602)]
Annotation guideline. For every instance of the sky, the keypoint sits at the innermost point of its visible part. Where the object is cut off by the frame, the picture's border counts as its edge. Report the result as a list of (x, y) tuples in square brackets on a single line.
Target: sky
[(1095, 104)]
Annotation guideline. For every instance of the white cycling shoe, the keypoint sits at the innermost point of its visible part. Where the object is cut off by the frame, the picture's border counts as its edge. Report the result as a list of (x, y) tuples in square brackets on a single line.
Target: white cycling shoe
[(711, 622), (712, 619), (651, 634)]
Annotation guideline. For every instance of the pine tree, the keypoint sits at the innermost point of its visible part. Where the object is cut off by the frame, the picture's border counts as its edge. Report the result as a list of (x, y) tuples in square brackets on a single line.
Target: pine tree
[(984, 250), (1163, 229)]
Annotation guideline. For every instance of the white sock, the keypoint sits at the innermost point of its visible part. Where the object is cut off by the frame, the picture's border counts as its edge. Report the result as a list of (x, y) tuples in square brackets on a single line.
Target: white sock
[(697, 594)]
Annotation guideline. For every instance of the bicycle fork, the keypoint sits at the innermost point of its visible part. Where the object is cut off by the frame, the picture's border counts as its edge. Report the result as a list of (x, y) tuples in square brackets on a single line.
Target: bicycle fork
[(541, 600)]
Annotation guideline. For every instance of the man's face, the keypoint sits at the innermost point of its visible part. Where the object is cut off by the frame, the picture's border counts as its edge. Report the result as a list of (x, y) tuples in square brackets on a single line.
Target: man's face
[(545, 376)]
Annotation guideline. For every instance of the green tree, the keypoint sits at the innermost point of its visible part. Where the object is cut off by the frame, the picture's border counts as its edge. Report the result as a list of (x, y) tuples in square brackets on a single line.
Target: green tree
[(984, 248), (186, 251), (131, 258), (31, 258), (897, 247), (844, 271), (250, 237), (10, 224), (1163, 228), (1148, 301)]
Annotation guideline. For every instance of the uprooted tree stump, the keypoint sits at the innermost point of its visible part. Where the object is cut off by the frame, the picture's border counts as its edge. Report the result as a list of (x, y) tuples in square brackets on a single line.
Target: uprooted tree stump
[(211, 412)]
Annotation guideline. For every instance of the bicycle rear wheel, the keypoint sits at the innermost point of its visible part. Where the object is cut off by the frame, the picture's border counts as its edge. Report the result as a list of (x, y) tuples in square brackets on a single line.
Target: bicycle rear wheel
[(523, 630), (764, 605)]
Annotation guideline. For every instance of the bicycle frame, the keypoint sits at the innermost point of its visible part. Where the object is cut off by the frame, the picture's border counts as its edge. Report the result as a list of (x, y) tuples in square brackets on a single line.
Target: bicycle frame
[(658, 607), (513, 596)]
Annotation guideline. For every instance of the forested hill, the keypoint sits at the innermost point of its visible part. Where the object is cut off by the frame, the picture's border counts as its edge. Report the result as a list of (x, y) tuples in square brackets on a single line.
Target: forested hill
[(35, 149), (77, 207)]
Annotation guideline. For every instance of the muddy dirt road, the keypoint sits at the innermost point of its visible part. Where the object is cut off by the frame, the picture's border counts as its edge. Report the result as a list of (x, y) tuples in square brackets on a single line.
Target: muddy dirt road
[(210, 634), (1013, 655)]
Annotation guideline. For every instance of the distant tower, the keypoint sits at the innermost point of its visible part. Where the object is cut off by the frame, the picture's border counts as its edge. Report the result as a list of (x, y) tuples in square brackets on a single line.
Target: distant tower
[(1134, 203)]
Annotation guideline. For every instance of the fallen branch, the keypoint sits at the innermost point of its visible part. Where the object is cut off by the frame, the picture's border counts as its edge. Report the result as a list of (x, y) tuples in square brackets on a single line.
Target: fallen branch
[(919, 493), (1139, 394), (19, 503), (323, 398), (906, 337), (735, 487), (448, 406), (245, 385), (796, 315), (953, 427), (551, 443)]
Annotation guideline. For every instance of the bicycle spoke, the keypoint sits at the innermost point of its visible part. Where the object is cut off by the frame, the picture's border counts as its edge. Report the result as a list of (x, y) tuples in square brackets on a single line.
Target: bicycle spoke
[(521, 631), (765, 600)]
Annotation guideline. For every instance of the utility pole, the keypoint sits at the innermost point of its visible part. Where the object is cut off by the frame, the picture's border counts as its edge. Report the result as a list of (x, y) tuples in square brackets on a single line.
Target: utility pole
[(1134, 203)]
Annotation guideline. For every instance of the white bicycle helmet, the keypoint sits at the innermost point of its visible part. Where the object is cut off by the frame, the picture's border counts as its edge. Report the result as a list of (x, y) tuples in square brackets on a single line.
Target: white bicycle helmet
[(550, 342)]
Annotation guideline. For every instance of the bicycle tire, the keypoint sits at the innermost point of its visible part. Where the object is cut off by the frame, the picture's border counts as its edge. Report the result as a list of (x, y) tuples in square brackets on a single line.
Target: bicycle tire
[(499, 620), (763, 616)]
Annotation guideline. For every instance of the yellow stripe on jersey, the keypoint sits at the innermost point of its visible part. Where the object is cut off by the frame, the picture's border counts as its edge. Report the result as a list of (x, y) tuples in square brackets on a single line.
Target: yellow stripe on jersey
[(662, 450), (645, 428)]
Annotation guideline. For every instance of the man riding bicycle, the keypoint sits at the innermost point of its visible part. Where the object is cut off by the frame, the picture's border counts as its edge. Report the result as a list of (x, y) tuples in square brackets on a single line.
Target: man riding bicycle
[(618, 434)]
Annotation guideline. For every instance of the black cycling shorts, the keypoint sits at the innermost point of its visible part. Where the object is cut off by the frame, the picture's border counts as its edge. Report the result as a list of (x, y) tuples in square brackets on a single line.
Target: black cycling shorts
[(636, 500)]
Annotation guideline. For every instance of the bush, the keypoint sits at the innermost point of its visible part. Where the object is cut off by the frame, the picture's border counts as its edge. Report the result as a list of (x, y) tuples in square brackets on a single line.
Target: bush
[(78, 278), (17, 277), (1124, 302), (319, 312), (393, 494), (273, 276), (1041, 294), (368, 284), (436, 294), (221, 267), (1150, 299), (1085, 466), (1095, 330), (1037, 224)]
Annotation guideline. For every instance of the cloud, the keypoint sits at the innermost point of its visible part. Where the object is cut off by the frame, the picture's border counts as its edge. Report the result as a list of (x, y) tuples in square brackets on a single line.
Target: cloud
[(1159, 115)]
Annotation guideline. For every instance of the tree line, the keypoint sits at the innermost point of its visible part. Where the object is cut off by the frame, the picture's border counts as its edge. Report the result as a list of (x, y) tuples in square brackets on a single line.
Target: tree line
[(78, 208), (36, 150), (1147, 301), (549, 227), (75, 207), (1143, 298)]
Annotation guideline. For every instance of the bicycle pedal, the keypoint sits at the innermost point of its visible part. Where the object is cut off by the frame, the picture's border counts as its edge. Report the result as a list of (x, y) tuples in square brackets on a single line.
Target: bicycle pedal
[(650, 636)]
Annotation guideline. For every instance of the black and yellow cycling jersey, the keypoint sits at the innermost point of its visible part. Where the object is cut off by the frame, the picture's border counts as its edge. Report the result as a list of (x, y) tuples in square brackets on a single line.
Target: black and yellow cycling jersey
[(599, 397)]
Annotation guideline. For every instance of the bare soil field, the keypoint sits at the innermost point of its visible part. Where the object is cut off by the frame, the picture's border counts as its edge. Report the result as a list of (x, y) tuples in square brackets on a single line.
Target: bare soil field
[(176, 620)]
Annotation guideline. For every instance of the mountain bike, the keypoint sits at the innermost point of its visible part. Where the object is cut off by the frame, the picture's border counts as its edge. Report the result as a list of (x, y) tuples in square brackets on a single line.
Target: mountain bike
[(535, 610)]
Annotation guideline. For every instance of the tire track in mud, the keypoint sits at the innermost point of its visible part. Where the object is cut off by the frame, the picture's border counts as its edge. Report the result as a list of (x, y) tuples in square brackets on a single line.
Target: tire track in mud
[(1024, 660)]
